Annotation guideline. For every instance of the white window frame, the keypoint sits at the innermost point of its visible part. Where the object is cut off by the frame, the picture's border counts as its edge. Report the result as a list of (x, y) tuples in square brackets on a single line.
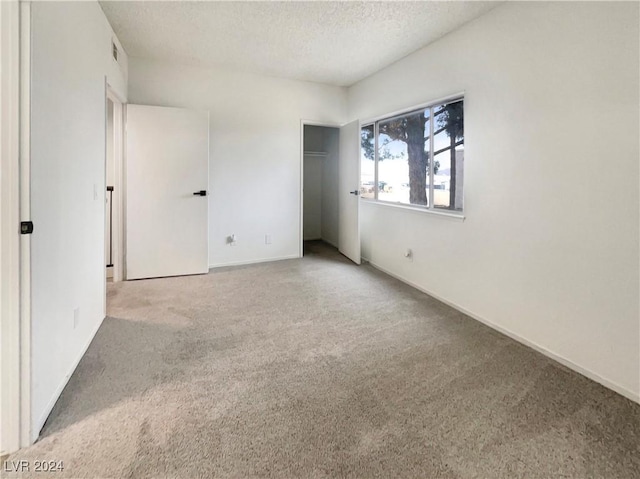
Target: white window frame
[(414, 109)]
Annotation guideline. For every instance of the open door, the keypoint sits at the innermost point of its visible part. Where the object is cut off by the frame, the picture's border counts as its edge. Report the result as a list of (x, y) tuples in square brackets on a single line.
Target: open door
[(349, 191), (167, 173)]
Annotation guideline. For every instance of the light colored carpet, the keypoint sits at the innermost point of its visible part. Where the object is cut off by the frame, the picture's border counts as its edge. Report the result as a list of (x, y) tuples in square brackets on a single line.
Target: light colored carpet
[(317, 368)]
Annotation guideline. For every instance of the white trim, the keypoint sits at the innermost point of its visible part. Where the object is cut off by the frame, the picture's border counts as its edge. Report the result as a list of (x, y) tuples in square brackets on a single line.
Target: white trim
[(301, 190), (410, 109), (104, 204), (10, 335), (26, 415), (253, 261), (327, 124), (124, 189), (415, 209), (432, 160), (376, 170), (550, 354), (56, 395)]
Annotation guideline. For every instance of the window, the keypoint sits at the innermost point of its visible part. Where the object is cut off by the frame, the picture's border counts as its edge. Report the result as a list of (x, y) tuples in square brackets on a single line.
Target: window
[(397, 154), (367, 163)]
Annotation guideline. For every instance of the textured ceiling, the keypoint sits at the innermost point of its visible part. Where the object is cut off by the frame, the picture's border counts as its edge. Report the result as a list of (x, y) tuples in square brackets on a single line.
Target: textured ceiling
[(337, 43)]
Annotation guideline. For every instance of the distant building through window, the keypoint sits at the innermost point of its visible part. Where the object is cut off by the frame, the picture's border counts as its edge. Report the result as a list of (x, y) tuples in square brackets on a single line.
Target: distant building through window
[(416, 158)]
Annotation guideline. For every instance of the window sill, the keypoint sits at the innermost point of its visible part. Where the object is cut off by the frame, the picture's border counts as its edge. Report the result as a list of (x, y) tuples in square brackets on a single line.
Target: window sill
[(416, 209)]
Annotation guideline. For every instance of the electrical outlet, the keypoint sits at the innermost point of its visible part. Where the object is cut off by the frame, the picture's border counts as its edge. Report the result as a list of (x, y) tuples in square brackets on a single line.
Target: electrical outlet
[(267, 239), (76, 317), (232, 240)]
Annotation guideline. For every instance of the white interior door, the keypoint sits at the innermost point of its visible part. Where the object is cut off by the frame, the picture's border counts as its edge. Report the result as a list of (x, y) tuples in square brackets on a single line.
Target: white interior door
[(167, 176), (349, 191)]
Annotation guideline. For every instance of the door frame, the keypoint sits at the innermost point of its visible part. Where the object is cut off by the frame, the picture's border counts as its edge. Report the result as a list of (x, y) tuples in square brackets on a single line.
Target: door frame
[(303, 123), (118, 245), (15, 270), (10, 347)]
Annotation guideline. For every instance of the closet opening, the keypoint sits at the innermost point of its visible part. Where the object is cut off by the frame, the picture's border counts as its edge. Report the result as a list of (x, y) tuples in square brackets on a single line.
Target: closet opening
[(320, 186)]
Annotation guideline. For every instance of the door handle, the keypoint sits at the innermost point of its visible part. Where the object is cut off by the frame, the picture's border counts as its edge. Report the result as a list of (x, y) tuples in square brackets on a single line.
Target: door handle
[(200, 193), (354, 192)]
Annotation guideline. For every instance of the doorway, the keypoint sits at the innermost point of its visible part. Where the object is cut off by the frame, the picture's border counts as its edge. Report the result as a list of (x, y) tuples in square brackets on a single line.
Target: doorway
[(114, 199), (320, 184)]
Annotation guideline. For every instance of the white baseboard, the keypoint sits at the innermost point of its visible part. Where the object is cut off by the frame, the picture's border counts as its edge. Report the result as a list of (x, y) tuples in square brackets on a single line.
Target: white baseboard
[(541, 349), (253, 261), (37, 427)]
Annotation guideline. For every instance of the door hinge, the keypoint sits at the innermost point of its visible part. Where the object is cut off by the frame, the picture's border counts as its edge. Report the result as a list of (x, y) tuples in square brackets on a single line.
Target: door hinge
[(26, 227)]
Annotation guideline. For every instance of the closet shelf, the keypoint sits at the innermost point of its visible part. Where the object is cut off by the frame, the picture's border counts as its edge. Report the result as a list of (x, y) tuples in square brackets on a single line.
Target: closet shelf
[(315, 153)]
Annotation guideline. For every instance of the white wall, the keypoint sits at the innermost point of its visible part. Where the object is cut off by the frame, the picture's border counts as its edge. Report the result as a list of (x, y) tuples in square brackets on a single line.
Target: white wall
[(330, 186), (312, 216), (549, 248), (254, 153), (321, 183), (71, 55)]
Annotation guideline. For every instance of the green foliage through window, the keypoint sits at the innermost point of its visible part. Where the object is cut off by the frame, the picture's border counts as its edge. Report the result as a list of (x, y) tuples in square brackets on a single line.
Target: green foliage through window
[(397, 153)]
